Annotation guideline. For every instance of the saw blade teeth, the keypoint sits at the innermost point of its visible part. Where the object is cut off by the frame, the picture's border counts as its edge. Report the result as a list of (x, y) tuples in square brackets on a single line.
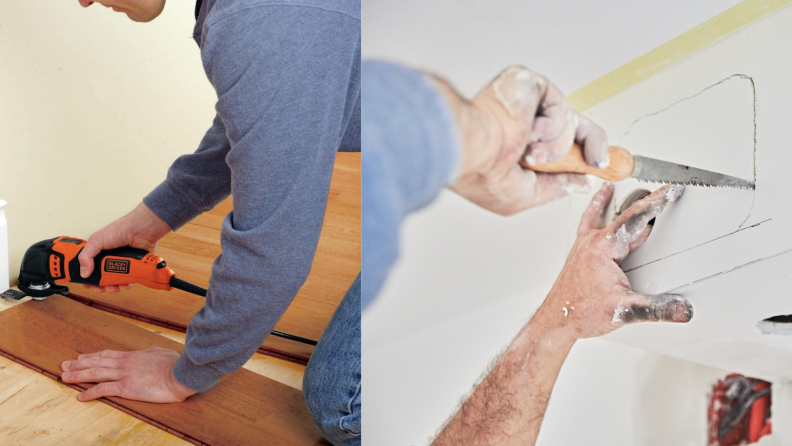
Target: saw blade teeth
[(745, 186)]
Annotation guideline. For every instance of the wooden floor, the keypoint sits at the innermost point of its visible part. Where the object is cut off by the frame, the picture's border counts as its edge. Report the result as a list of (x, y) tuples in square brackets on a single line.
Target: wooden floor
[(192, 250), (244, 408), (37, 410)]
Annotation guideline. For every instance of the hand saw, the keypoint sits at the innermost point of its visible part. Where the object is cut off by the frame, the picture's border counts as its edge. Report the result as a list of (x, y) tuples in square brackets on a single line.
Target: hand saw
[(624, 165)]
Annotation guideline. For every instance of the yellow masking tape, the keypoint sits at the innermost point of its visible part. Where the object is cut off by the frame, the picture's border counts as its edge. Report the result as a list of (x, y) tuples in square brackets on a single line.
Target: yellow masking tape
[(674, 51)]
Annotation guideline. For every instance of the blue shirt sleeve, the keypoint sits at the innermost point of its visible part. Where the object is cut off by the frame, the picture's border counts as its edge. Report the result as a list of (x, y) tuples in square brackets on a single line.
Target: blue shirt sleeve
[(196, 182), (411, 150), (287, 77)]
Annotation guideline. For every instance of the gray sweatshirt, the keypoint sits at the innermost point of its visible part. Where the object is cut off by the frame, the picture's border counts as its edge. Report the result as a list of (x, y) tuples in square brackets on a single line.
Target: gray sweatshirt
[(287, 76)]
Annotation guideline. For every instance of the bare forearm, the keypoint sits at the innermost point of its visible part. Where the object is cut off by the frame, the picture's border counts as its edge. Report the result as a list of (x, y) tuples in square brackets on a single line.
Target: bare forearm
[(590, 298), (508, 406)]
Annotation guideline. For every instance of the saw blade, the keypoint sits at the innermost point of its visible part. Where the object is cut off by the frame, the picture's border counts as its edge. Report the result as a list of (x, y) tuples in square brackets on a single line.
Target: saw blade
[(656, 171)]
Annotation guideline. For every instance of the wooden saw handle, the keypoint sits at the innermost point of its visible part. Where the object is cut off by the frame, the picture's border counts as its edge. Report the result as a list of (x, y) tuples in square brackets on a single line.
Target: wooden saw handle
[(620, 167)]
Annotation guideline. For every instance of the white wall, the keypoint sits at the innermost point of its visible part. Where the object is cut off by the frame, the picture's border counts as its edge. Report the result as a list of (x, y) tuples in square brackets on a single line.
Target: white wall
[(571, 41), (93, 110), (452, 302)]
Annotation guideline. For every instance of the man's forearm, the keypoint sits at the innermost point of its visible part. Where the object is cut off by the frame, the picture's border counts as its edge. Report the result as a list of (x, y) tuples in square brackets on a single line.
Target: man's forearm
[(508, 406)]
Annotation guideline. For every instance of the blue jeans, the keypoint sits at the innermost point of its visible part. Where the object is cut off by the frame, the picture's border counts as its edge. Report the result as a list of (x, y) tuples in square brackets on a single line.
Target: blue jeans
[(331, 385)]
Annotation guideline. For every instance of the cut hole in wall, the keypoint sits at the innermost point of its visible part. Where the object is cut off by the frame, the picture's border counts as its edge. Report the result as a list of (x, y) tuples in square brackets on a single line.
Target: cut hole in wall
[(781, 324), (632, 197)]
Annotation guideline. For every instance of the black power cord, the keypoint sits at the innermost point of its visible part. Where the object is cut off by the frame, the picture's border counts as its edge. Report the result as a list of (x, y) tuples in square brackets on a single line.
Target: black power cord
[(195, 289)]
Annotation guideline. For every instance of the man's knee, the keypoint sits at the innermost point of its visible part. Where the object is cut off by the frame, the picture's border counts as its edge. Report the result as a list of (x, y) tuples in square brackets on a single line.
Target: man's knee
[(335, 408)]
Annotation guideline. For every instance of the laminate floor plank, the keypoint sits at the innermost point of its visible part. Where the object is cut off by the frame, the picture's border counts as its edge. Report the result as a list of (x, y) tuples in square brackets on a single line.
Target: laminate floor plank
[(39, 411), (25, 394), (243, 409)]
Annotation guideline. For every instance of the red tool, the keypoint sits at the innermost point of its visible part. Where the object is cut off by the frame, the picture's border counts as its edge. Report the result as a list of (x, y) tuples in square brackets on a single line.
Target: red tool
[(739, 411)]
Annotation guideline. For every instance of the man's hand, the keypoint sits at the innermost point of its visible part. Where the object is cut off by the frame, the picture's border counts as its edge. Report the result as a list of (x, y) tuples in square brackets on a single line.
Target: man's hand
[(520, 115), (141, 228), (142, 376), (136, 10), (591, 297)]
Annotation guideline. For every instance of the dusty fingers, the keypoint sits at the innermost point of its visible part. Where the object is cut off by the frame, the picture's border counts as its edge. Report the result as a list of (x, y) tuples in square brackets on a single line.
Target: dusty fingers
[(520, 91), (592, 216), (629, 227), (554, 129), (653, 308), (594, 141), (552, 186)]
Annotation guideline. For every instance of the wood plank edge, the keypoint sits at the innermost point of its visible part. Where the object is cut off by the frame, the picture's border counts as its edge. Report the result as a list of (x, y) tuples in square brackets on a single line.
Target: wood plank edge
[(266, 351)]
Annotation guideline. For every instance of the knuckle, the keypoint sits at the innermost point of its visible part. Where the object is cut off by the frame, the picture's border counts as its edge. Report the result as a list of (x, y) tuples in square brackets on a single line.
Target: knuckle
[(124, 384)]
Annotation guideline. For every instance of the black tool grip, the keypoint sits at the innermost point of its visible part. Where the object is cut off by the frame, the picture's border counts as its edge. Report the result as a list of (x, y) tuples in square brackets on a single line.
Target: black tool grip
[(96, 276)]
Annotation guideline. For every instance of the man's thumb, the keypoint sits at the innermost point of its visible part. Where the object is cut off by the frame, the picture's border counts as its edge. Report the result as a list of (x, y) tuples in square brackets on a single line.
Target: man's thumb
[(86, 259), (655, 308)]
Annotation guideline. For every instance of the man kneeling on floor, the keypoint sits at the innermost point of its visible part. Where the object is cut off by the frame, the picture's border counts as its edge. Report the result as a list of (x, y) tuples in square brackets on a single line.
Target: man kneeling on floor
[(287, 76)]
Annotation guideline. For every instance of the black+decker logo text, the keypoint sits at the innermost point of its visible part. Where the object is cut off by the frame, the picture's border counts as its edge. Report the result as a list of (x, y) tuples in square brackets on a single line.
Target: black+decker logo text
[(117, 266)]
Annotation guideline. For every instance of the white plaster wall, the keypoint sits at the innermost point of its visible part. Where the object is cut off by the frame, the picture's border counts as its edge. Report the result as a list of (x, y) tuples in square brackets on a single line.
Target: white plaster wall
[(467, 280), (571, 41), (93, 110), (738, 276), (4, 267)]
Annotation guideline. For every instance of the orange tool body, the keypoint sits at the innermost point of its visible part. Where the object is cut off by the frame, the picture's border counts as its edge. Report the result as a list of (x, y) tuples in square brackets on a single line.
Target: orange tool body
[(50, 264), (118, 266)]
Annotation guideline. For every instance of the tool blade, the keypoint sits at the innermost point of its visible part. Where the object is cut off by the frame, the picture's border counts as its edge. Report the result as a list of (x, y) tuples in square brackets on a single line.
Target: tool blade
[(652, 170), (13, 294)]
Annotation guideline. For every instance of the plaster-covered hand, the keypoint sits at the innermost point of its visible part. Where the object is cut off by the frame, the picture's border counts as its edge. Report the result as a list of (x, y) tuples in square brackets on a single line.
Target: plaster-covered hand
[(145, 375), (520, 115), (140, 228), (592, 295), (136, 10)]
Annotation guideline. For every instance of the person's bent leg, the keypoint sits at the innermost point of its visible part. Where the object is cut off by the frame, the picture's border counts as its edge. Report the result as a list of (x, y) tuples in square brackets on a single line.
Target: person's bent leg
[(331, 385)]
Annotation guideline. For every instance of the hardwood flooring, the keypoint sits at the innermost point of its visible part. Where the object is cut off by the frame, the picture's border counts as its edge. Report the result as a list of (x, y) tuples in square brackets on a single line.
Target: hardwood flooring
[(244, 408)]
